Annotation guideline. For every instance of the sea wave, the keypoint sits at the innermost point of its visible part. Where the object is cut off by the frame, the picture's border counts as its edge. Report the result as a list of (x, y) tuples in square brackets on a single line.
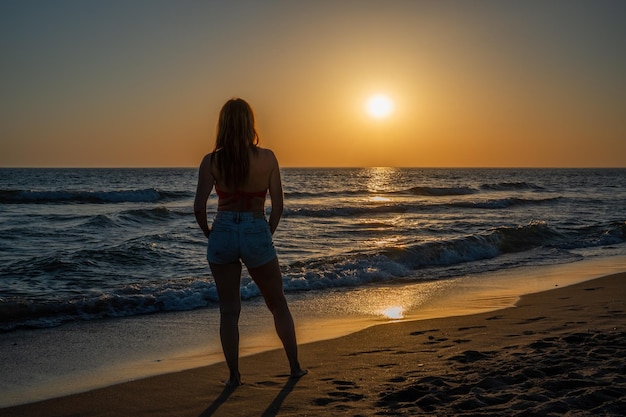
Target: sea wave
[(417, 190), (508, 186), (326, 193), (347, 211), (425, 191), (503, 202), (147, 195), (142, 217), (440, 191), (131, 300), (377, 208), (420, 260), (496, 249), (91, 266), (127, 301)]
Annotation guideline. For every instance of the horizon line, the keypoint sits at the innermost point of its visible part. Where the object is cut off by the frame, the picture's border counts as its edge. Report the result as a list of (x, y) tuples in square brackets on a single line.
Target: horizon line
[(318, 167)]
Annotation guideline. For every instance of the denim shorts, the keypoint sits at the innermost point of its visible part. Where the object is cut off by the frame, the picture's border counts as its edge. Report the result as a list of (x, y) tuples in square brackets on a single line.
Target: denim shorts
[(241, 236)]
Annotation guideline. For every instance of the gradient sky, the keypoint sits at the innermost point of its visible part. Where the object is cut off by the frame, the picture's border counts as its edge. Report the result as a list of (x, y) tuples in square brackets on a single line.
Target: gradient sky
[(475, 83)]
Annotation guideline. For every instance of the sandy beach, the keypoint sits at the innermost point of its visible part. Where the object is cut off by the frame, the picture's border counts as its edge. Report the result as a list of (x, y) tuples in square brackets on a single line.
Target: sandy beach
[(558, 352)]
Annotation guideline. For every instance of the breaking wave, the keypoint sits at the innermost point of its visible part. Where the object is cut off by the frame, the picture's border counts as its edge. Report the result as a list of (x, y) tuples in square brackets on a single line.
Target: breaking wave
[(148, 195)]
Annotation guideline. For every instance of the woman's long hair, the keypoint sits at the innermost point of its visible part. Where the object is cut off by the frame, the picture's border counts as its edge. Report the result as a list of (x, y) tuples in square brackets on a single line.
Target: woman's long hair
[(236, 134)]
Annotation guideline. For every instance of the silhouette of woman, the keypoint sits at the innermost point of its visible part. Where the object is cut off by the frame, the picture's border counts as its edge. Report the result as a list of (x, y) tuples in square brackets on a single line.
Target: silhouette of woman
[(242, 174)]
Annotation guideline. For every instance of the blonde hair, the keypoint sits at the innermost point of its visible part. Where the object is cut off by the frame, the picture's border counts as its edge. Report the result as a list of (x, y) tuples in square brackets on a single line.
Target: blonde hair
[(236, 134)]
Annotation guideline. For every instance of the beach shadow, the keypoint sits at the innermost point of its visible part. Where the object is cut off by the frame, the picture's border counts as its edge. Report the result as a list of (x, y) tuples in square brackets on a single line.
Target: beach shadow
[(228, 389), (273, 409)]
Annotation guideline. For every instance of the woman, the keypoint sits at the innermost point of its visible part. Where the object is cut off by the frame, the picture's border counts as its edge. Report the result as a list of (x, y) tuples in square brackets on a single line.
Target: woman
[(243, 173)]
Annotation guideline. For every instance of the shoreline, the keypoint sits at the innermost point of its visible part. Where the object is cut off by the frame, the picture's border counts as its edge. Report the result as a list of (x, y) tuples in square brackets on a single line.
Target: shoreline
[(552, 272), (553, 351)]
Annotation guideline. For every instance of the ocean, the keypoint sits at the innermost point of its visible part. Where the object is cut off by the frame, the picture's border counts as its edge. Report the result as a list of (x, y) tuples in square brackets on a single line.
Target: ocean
[(94, 244)]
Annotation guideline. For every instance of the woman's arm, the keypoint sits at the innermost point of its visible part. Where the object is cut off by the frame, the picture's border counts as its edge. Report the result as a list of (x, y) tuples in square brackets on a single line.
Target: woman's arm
[(276, 195), (203, 190)]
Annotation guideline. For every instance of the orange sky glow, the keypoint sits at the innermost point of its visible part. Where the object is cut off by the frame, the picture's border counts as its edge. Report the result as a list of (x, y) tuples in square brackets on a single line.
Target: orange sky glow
[(473, 84)]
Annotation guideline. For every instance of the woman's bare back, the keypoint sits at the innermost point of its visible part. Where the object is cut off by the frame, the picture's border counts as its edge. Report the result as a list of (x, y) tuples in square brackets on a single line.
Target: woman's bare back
[(264, 176)]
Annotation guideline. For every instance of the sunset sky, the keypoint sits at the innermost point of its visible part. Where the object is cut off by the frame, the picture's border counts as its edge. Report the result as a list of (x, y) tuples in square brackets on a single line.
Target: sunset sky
[(472, 83)]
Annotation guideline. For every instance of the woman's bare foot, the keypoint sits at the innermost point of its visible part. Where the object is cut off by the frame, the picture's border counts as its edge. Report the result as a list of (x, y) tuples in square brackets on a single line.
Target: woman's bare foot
[(234, 381), (298, 373), (232, 384)]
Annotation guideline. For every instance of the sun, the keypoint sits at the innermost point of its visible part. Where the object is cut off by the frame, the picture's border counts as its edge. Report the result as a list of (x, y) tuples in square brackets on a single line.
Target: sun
[(379, 106)]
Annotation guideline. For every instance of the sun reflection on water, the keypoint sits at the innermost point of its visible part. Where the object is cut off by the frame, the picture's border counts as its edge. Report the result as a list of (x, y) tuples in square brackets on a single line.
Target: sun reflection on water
[(379, 199), (393, 312), (380, 179)]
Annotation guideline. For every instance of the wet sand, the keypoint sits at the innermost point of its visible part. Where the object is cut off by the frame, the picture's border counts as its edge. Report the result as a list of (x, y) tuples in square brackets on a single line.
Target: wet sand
[(556, 352)]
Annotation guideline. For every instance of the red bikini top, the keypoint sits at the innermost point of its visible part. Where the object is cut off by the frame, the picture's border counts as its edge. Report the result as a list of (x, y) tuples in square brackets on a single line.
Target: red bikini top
[(244, 196)]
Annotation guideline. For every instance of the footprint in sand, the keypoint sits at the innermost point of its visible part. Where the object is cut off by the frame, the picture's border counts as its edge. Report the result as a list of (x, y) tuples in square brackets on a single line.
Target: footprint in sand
[(432, 340), (341, 395), (470, 356), (387, 365), (343, 385), (461, 329), (266, 384), (419, 333), (365, 352), (532, 320)]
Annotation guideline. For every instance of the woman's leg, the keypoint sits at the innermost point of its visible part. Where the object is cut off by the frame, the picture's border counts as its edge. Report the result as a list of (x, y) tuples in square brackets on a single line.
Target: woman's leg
[(227, 281), (269, 280)]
